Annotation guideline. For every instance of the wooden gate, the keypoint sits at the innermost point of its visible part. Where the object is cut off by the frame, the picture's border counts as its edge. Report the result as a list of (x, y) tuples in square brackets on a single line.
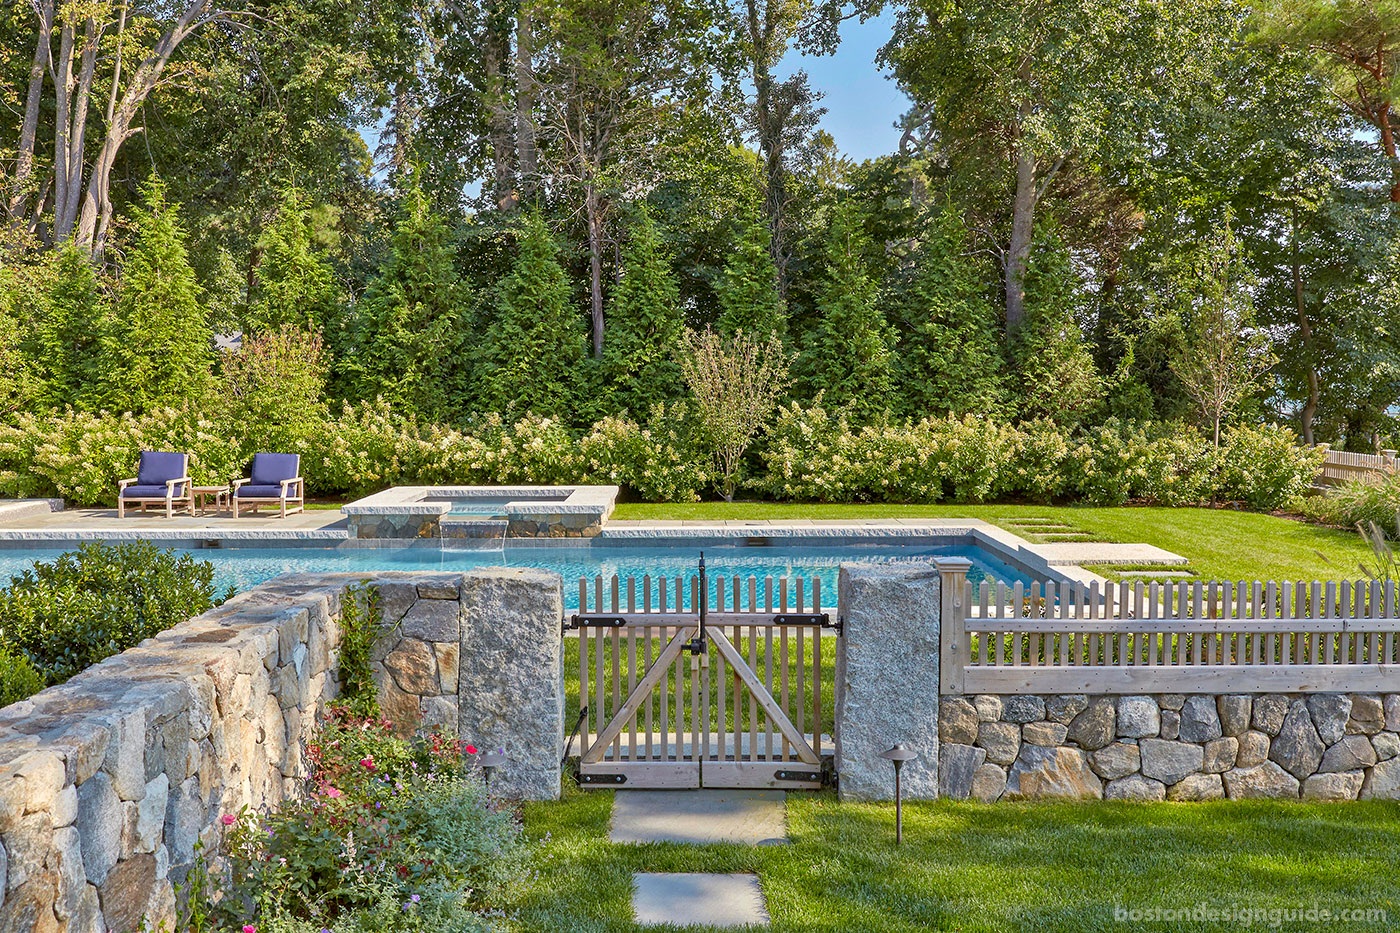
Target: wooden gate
[(702, 682)]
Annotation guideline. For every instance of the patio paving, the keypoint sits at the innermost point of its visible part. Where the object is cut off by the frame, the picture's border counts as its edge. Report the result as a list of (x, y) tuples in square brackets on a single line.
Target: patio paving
[(684, 898), (748, 817), (313, 525)]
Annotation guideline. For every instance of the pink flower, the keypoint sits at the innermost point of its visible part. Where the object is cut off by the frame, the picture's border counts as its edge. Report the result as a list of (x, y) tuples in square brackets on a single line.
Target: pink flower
[(249, 928), (471, 749), (367, 763), (332, 792), (229, 819)]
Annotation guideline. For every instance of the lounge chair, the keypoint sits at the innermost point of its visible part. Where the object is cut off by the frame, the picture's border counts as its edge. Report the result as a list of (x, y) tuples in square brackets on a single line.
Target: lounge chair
[(274, 479), (163, 478)]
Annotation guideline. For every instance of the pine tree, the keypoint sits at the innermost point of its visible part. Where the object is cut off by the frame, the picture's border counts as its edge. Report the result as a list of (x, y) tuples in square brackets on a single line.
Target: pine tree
[(161, 344), (747, 292), (645, 326), (294, 281), (415, 318), (850, 358), (1057, 375), (534, 349), (71, 336), (950, 359)]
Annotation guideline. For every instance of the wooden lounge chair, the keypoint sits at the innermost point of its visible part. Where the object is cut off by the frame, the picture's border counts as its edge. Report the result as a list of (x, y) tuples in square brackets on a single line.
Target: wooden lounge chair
[(274, 479), (163, 478)]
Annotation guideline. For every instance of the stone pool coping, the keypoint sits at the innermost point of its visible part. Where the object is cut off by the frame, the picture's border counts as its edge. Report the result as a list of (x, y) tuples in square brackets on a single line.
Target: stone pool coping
[(413, 500), (1060, 561)]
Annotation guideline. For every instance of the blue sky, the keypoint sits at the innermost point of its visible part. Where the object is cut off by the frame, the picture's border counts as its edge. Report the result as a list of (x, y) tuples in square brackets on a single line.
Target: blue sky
[(862, 102)]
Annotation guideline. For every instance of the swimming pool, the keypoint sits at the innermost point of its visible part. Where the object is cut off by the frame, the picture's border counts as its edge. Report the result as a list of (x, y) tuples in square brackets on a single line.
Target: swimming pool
[(243, 568)]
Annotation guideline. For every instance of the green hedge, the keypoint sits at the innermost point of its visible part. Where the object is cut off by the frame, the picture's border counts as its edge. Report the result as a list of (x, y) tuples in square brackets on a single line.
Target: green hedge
[(62, 616), (807, 455)]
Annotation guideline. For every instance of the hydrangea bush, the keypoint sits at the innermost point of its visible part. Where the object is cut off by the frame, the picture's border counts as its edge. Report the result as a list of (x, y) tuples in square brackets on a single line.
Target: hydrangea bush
[(807, 454)]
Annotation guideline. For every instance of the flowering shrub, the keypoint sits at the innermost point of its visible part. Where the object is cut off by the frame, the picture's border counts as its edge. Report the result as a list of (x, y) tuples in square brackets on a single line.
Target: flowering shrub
[(811, 455), (392, 834), (806, 454)]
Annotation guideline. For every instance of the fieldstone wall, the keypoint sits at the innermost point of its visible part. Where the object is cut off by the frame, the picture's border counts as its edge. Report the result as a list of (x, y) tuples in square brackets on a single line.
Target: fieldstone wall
[(1323, 746), (412, 525), (555, 525), (108, 781)]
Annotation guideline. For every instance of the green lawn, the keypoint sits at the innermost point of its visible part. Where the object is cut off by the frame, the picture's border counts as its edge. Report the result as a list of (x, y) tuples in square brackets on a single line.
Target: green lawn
[(1001, 867), (1221, 544)]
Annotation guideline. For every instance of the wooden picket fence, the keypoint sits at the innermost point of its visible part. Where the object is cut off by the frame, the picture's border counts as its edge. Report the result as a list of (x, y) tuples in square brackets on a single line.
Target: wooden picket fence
[(1343, 466), (1180, 637), (665, 701)]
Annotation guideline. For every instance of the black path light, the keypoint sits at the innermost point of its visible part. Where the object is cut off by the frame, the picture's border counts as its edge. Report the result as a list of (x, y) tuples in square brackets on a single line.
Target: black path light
[(489, 763), (899, 755)]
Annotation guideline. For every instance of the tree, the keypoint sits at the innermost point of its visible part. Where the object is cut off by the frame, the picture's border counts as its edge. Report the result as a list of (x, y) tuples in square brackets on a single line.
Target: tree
[(645, 324), (1356, 46), (613, 79), (1221, 361), (76, 325), (737, 382), (161, 344), (949, 360), (1057, 375), (82, 207), (414, 318), (294, 280), (1034, 87), (23, 383), (850, 357), (275, 384), (748, 296), (534, 351)]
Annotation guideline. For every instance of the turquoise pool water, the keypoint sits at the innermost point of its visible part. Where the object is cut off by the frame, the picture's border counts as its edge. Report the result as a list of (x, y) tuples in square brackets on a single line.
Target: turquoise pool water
[(243, 568)]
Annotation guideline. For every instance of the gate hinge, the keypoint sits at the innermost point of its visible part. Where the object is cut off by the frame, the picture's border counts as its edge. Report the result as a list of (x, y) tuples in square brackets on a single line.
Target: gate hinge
[(602, 779), (803, 618), (839, 625), (596, 621), (785, 775)]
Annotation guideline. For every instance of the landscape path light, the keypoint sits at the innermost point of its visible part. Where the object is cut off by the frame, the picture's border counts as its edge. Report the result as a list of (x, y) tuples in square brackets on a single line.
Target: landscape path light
[(899, 755)]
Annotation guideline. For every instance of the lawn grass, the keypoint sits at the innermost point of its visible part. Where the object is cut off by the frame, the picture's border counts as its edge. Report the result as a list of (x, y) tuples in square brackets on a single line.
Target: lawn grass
[(1006, 866), (1220, 544)]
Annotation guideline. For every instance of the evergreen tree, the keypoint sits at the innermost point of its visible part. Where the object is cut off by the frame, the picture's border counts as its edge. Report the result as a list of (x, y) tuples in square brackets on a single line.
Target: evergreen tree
[(950, 359), (1058, 378), (294, 281), (534, 349), (415, 318), (22, 384), (73, 334), (161, 344), (748, 292), (645, 325), (850, 357)]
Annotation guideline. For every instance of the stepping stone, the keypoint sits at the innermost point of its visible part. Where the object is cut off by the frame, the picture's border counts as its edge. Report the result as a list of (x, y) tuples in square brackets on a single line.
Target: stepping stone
[(1155, 573), (685, 898), (748, 817)]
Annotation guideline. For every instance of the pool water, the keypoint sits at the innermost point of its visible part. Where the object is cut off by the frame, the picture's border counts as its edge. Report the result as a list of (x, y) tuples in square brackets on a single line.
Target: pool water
[(243, 568)]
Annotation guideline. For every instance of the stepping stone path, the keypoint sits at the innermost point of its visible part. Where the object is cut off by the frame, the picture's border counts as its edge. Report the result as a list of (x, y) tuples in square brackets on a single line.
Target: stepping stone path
[(746, 817)]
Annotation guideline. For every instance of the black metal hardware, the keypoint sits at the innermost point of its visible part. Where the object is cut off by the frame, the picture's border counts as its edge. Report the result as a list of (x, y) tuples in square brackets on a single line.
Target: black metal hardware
[(797, 776), (595, 621), (602, 779), (803, 618), (697, 644), (582, 714)]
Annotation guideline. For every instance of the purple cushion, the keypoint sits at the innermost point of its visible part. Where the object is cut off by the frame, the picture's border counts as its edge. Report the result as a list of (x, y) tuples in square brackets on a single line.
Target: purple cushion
[(149, 491), (258, 491), (160, 466), (271, 469)]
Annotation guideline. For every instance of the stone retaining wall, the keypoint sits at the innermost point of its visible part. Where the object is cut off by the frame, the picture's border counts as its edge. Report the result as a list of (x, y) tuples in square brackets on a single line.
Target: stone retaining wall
[(108, 781), (1322, 746)]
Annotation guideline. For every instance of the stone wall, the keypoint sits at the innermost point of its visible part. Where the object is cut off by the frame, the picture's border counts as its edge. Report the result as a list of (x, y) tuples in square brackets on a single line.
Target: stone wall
[(1323, 746), (108, 781)]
